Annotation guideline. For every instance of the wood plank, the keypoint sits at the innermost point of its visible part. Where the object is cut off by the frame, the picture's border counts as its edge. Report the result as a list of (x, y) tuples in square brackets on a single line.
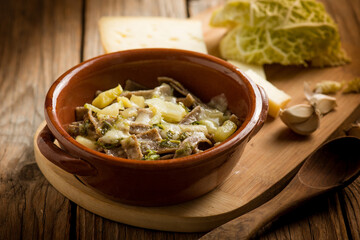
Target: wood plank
[(338, 217), (319, 219), (351, 201), (39, 41), (197, 7), (94, 227)]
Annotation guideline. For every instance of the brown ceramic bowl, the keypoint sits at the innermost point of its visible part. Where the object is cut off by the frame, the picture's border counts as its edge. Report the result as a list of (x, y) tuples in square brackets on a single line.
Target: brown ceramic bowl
[(150, 183)]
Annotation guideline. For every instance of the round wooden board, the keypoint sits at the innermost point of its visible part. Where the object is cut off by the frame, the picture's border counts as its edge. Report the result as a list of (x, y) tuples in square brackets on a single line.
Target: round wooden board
[(202, 214)]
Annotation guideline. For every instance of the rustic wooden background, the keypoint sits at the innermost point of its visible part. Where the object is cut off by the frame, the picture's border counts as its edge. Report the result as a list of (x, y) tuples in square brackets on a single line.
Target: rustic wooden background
[(39, 40)]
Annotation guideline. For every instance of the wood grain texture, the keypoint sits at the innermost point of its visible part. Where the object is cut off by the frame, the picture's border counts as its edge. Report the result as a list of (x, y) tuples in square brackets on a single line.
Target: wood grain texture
[(330, 167), (39, 40), (196, 7), (320, 219), (351, 201), (93, 227)]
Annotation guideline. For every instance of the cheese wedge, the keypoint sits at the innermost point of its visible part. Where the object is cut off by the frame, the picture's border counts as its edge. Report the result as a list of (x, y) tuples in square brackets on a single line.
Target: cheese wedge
[(122, 33), (277, 98)]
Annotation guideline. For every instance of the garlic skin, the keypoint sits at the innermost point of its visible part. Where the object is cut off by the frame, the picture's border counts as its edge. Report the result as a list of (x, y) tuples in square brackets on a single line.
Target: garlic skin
[(323, 103), (298, 119), (353, 86), (327, 87), (309, 126), (307, 91)]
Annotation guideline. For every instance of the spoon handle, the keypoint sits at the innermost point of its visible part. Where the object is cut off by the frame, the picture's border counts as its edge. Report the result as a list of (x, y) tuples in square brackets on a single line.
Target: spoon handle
[(248, 224)]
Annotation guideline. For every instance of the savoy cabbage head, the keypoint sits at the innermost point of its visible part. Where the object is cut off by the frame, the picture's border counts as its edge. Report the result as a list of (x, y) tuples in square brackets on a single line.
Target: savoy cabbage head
[(289, 32)]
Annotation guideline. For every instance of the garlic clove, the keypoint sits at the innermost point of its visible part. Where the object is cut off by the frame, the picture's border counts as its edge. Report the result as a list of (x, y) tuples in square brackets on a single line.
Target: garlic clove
[(296, 114), (323, 103), (307, 127)]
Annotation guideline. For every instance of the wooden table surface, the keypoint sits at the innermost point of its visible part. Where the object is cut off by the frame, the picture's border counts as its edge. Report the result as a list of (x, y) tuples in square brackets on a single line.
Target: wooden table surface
[(40, 39)]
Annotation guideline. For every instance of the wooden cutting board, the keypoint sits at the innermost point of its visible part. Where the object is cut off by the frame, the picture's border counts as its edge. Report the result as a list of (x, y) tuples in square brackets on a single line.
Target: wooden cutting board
[(269, 160)]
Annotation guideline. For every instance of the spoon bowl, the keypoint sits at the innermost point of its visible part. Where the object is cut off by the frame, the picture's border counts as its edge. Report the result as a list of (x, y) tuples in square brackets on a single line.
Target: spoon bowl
[(332, 166)]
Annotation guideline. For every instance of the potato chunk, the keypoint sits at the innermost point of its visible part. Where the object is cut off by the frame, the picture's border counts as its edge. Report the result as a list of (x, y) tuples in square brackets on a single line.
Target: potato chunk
[(225, 131), (138, 100), (125, 101), (171, 112), (86, 142), (107, 97), (111, 110)]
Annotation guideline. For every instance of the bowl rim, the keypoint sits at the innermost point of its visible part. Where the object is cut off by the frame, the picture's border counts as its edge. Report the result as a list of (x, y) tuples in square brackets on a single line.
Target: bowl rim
[(236, 138)]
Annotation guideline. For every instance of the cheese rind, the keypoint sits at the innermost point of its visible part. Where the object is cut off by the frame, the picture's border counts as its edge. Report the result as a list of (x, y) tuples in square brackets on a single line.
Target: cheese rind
[(278, 99), (122, 33)]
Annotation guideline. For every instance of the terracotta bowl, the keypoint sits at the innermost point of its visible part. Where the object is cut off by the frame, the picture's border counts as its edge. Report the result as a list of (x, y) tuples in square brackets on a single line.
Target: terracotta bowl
[(150, 183)]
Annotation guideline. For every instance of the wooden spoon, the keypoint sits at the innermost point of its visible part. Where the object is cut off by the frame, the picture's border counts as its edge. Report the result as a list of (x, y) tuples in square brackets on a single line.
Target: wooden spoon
[(332, 166)]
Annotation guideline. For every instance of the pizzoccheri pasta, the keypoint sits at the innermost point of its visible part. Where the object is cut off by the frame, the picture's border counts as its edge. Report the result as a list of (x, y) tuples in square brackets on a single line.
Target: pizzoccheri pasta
[(152, 124)]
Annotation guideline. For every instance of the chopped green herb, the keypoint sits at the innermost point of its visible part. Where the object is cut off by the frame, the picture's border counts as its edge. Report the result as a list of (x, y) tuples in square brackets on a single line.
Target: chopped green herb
[(108, 145), (159, 125), (186, 150), (195, 123), (151, 155), (83, 128), (170, 134), (169, 143), (105, 127), (183, 135)]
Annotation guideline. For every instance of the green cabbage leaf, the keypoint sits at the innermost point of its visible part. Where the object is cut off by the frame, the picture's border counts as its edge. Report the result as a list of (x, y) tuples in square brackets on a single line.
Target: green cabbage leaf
[(289, 32)]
